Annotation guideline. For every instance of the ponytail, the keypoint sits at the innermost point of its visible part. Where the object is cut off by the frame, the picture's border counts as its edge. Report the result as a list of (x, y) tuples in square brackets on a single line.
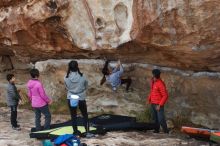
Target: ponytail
[(68, 72), (81, 74), (102, 80), (105, 72), (73, 67)]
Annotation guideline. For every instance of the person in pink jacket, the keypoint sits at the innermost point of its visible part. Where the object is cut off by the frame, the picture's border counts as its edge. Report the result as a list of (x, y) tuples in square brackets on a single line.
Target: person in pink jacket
[(39, 100)]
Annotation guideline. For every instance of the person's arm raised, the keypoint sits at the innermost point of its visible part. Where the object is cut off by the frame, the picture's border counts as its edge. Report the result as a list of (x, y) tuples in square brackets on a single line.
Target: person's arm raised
[(121, 70)]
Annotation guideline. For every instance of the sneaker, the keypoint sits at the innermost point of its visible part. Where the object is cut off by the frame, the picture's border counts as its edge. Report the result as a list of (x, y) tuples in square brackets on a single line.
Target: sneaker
[(89, 135), (16, 128), (77, 133), (114, 89)]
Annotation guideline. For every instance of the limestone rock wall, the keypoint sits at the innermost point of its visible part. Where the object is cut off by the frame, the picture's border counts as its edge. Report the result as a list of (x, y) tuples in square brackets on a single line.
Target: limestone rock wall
[(192, 96), (182, 34)]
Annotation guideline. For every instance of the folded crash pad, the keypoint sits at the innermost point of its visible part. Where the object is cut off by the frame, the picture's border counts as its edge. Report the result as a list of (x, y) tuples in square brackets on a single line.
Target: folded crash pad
[(215, 136), (117, 122), (53, 133), (44, 134), (98, 125), (199, 133), (112, 122), (142, 126), (69, 130), (107, 119), (67, 123)]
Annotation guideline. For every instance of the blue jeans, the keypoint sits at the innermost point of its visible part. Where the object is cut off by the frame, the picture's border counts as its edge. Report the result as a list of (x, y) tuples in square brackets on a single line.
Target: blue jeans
[(45, 111), (159, 118)]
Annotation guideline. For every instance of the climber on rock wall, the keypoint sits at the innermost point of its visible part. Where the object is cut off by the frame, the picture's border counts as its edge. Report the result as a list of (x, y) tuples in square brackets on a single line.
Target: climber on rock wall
[(113, 77)]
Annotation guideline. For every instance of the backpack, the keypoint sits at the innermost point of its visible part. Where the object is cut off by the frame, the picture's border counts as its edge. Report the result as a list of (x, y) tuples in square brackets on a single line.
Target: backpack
[(47, 143), (66, 139)]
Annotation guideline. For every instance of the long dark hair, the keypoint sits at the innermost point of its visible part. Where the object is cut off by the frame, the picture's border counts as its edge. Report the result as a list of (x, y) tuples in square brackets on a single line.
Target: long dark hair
[(105, 71), (73, 67)]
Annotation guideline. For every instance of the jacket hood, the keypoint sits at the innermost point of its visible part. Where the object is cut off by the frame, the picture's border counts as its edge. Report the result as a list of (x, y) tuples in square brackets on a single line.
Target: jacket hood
[(74, 77), (32, 83)]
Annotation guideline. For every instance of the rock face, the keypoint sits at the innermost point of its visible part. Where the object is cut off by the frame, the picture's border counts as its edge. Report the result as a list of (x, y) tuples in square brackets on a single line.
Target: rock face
[(193, 97), (181, 35), (176, 33)]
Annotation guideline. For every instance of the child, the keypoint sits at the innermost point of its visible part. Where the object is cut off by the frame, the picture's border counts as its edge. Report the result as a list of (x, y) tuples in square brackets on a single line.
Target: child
[(76, 84), (114, 77), (39, 100), (13, 98)]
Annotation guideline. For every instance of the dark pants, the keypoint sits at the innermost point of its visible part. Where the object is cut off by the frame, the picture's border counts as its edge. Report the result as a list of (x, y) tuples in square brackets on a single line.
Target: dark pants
[(159, 118), (14, 115), (46, 112), (127, 82), (73, 111)]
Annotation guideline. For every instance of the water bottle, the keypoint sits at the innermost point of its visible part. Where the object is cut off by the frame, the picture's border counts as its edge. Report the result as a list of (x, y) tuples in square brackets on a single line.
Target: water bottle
[(75, 143)]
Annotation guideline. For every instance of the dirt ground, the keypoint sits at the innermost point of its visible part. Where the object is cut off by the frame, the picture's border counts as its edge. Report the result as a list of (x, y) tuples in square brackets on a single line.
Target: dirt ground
[(9, 137)]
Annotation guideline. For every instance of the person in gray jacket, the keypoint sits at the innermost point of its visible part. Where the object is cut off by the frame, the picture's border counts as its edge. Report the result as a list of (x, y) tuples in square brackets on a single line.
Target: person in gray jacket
[(76, 84), (13, 98)]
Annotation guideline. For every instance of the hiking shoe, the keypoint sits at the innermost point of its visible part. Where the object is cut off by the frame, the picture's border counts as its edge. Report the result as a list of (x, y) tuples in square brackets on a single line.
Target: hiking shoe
[(16, 128), (89, 135), (77, 133)]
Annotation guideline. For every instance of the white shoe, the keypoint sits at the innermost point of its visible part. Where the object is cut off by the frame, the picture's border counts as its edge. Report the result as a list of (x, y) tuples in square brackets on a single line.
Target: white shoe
[(89, 135), (16, 128)]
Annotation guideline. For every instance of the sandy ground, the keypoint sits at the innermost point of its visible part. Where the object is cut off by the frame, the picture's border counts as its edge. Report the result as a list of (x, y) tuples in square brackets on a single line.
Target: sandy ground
[(9, 137)]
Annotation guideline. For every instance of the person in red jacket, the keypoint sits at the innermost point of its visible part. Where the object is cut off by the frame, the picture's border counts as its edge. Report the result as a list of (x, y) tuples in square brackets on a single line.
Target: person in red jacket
[(157, 98)]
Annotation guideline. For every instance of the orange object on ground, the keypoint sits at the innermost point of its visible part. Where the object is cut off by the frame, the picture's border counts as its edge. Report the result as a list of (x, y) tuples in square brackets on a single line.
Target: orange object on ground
[(215, 137), (196, 132)]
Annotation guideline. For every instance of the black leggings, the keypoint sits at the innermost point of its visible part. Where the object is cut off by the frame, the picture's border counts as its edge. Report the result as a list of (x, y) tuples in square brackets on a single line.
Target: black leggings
[(73, 111), (126, 81)]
